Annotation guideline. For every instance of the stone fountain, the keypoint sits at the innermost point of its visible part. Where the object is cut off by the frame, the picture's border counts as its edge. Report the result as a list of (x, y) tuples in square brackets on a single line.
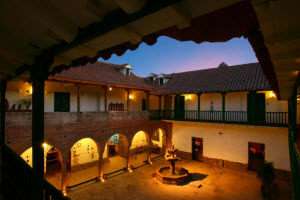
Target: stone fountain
[(172, 175)]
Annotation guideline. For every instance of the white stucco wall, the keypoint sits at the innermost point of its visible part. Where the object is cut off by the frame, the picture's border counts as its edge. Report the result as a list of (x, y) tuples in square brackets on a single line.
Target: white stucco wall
[(139, 139), (230, 142), (84, 151), (234, 101)]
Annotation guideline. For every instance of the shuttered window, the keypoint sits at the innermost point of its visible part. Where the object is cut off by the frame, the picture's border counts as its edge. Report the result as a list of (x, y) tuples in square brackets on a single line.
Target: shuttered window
[(61, 102)]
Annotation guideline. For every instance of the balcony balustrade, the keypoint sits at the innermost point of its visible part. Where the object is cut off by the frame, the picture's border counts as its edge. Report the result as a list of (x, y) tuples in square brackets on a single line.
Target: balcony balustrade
[(274, 119)]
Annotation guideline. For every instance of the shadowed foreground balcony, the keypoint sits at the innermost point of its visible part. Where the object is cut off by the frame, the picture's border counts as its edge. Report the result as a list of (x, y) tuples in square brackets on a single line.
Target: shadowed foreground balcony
[(274, 119)]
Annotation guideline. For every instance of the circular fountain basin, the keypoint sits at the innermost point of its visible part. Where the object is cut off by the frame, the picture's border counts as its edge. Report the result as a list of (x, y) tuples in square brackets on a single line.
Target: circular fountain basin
[(181, 176)]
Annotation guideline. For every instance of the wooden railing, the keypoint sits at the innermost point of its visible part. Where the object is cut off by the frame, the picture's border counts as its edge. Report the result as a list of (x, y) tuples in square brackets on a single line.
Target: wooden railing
[(276, 119), (17, 180)]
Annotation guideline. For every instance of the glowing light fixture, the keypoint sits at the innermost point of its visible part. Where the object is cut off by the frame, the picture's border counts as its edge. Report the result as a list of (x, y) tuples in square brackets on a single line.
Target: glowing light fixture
[(273, 95), (109, 88), (45, 145), (188, 97), (102, 179), (130, 96)]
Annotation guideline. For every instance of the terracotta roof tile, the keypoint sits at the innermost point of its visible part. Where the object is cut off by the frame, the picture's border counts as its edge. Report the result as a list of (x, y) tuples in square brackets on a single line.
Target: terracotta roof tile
[(103, 73), (246, 77)]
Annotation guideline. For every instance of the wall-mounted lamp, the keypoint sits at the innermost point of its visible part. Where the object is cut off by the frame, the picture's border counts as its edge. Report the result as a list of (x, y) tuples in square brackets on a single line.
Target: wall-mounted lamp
[(188, 97), (109, 88), (45, 145), (130, 96), (29, 91), (273, 95)]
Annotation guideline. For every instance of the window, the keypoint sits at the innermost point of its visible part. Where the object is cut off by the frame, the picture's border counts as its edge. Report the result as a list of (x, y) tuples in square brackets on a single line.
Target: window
[(151, 79), (127, 71), (143, 104), (61, 102), (161, 81)]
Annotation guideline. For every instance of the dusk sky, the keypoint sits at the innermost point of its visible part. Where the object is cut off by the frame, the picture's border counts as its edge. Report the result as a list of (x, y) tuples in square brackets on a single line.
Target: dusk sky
[(169, 55)]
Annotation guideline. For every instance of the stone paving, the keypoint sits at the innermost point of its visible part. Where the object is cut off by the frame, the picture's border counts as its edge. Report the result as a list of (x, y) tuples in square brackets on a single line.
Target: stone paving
[(214, 182)]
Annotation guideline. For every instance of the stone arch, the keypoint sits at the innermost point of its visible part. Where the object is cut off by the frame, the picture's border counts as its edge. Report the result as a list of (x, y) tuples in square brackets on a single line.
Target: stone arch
[(139, 149), (158, 143), (83, 162), (53, 162), (115, 154)]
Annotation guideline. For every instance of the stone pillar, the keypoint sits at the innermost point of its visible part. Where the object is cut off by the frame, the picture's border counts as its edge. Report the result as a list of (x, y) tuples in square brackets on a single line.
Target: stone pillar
[(2, 109), (128, 156), (38, 75), (64, 171), (100, 165)]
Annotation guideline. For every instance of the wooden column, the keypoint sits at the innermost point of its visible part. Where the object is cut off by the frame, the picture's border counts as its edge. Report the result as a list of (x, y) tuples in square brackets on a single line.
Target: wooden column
[(199, 105), (78, 98), (2, 109), (159, 106), (223, 105), (128, 93), (148, 100), (105, 99), (39, 73)]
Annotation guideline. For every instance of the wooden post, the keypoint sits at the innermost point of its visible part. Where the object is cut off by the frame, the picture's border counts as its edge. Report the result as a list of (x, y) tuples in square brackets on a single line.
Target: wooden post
[(105, 99), (78, 98), (199, 95), (223, 105), (38, 73), (128, 93), (159, 106), (2, 109), (148, 100)]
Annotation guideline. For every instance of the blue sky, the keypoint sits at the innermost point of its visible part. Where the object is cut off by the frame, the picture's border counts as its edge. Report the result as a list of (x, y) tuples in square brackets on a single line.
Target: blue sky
[(169, 55)]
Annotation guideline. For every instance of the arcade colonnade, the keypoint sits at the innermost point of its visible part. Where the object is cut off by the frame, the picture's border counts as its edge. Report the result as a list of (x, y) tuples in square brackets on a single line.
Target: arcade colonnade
[(94, 156)]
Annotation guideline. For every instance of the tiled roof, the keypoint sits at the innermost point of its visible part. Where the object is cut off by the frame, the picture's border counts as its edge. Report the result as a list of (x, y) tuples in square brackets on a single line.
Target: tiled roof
[(246, 77), (102, 73)]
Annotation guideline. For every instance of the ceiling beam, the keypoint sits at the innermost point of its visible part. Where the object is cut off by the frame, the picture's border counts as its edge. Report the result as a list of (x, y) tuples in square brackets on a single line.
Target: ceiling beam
[(51, 17), (185, 19), (131, 6)]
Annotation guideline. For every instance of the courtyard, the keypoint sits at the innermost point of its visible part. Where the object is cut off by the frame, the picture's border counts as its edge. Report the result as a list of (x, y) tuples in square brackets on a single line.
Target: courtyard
[(209, 182)]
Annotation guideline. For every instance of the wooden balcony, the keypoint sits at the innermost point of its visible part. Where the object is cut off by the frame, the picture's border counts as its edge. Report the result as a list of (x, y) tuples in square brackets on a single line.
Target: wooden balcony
[(273, 119)]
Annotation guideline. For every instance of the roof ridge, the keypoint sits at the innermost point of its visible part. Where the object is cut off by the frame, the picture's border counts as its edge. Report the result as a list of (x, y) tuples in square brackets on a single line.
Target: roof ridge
[(174, 73)]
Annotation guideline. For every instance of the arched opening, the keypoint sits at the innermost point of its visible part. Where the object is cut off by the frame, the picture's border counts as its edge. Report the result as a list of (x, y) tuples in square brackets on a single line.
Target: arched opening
[(139, 149), (52, 164), (83, 162), (115, 154), (158, 144)]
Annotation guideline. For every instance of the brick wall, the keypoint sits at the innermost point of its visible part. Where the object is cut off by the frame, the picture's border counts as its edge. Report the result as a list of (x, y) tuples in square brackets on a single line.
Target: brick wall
[(24, 118)]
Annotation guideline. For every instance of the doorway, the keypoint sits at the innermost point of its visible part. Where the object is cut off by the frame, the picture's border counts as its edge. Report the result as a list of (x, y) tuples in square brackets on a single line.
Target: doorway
[(179, 107), (256, 155), (256, 107), (197, 149)]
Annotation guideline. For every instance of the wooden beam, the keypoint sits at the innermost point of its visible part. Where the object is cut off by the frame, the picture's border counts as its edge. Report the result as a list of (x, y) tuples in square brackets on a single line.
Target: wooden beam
[(131, 6), (183, 15)]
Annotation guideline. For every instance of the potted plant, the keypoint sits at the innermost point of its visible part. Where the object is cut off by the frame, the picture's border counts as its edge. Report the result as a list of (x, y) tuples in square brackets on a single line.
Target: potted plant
[(266, 175), (27, 103)]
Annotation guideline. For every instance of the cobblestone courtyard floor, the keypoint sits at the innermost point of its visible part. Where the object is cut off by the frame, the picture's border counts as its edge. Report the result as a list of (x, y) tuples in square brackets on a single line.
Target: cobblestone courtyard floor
[(216, 183)]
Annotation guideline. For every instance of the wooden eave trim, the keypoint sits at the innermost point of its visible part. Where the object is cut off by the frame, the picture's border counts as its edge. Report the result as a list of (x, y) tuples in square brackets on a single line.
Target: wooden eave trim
[(93, 83)]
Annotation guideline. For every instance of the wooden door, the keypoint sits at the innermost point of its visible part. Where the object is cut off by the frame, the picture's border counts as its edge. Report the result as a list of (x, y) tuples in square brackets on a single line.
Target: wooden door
[(256, 155), (179, 107), (197, 149)]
